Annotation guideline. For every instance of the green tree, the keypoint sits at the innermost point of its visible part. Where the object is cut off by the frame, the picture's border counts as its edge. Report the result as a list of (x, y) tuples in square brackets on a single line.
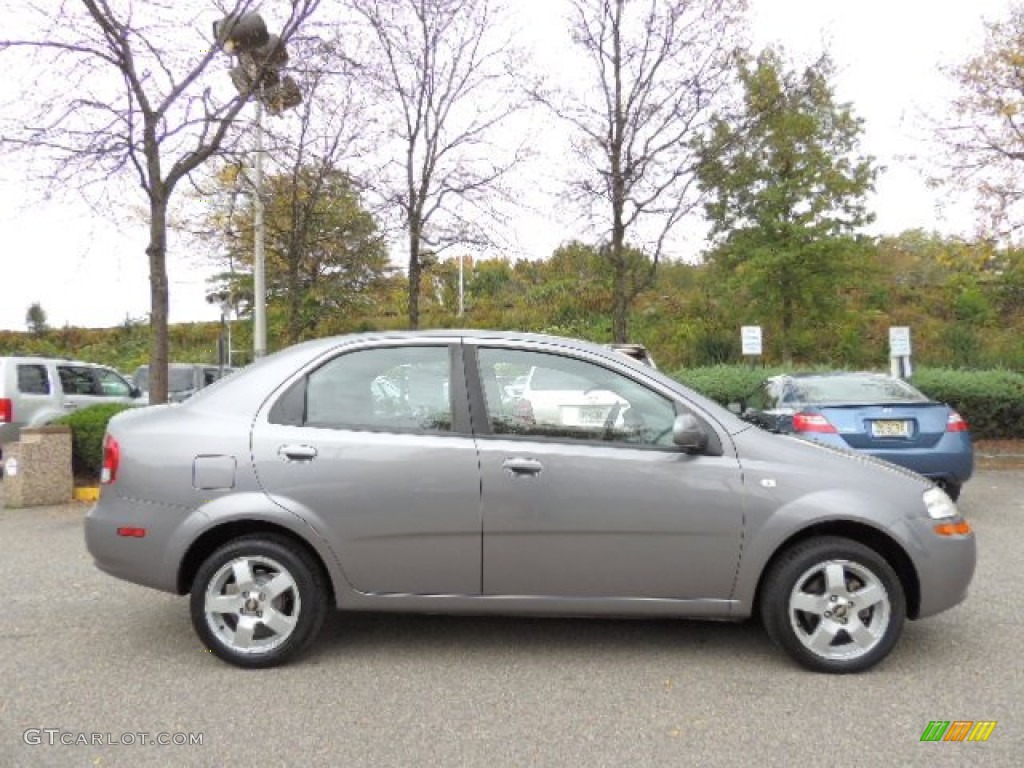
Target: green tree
[(787, 186), (325, 254), (35, 319)]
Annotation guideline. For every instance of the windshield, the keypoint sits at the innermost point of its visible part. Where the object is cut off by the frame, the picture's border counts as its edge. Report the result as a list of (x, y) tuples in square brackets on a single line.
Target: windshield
[(852, 389)]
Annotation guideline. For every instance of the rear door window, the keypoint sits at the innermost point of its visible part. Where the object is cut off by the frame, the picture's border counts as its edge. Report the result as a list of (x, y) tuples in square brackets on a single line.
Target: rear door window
[(32, 380), (396, 389), (78, 380)]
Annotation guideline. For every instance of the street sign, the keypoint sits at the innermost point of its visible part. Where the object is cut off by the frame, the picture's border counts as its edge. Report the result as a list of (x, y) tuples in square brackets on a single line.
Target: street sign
[(750, 338), (899, 341)]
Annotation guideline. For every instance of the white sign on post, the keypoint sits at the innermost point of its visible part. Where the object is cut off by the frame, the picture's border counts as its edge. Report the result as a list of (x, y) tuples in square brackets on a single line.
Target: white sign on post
[(899, 341), (750, 338)]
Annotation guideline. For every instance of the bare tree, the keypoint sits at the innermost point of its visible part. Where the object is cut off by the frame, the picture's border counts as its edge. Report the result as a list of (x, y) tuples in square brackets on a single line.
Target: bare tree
[(658, 70), (123, 87), (983, 133), (441, 75)]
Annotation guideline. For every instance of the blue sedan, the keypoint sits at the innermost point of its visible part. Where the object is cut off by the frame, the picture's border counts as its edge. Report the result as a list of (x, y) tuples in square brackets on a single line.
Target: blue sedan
[(872, 413)]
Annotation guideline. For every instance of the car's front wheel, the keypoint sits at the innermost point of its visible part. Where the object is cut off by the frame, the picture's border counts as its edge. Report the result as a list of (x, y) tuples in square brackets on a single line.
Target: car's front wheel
[(833, 604), (259, 600)]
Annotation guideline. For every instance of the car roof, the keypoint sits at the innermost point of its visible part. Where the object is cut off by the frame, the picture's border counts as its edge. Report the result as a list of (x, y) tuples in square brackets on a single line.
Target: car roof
[(17, 359)]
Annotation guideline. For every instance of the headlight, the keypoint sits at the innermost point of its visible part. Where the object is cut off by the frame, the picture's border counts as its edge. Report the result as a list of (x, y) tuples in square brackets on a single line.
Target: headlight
[(938, 504)]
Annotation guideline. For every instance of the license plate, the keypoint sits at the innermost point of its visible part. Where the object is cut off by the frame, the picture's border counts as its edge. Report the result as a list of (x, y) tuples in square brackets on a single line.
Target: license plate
[(890, 428), (592, 415)]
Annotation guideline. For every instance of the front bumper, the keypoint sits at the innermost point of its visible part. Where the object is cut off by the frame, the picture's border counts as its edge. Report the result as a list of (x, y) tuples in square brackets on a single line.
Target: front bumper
[(944, 564)]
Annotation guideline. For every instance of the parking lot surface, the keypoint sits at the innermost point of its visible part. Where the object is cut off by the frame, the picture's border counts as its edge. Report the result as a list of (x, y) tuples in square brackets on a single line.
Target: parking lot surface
[(106, 665)]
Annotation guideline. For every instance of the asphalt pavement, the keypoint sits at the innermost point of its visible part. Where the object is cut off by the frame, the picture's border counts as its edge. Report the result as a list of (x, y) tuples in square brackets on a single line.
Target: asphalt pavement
[(90, 667)]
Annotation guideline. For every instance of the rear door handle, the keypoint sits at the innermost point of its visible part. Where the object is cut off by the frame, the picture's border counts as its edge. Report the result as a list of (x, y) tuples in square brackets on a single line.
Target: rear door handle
[(297, 452), (522, 466)]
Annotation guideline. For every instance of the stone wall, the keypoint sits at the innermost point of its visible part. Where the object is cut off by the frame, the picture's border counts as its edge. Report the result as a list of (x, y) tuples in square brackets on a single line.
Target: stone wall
[(37, 468)]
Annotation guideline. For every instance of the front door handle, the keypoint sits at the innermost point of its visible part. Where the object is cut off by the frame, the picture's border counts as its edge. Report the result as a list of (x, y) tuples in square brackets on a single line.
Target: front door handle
[(522, 466), (297, 452)]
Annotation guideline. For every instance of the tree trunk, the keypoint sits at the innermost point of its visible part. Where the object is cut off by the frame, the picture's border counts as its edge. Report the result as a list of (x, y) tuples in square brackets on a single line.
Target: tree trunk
[(620, 304), (294, 299), (414, 276), (621, 297), (157, 253)]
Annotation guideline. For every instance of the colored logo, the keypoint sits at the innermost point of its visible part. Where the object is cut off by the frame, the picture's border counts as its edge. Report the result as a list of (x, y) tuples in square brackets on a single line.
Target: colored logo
[(958, 730)]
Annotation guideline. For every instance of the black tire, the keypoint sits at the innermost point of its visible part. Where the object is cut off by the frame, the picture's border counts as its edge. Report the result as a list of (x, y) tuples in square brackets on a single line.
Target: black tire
[(293, 607), (833, 633)]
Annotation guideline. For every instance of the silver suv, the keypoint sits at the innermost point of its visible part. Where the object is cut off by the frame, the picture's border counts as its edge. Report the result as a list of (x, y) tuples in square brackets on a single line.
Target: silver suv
[(37, 390)]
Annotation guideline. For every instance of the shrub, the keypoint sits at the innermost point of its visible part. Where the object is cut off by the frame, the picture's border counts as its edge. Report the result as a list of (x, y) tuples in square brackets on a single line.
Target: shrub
[(87, 428), (724, 383), (992, 402)]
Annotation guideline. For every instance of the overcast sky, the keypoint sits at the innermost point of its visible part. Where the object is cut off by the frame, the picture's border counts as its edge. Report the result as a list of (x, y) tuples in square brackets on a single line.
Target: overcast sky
[(91, 270)]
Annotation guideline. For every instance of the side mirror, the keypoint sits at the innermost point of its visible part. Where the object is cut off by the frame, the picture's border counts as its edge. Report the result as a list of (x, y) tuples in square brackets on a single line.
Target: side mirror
[(737, 408), (688, 434), (135, 393)]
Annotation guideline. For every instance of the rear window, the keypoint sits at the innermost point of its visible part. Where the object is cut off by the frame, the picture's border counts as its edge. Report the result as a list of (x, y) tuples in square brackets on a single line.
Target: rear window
[(852, 389), (32, 380)]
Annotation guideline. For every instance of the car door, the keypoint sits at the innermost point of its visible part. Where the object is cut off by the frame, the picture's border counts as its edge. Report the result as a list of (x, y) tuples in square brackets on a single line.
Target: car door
[(85, 385), (589, 508), (392, 482)]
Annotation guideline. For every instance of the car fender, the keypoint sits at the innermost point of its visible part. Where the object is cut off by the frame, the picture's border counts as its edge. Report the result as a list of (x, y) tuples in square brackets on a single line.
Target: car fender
[(259, 507), (768, 529)]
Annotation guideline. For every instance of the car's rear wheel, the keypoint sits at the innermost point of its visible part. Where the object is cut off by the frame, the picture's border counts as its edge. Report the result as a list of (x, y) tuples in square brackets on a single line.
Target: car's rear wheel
[(259, 600), (833, 604)]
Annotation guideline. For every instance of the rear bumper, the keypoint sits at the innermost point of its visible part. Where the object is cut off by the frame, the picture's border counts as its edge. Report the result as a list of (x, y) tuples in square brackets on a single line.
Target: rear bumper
[(151, 561)]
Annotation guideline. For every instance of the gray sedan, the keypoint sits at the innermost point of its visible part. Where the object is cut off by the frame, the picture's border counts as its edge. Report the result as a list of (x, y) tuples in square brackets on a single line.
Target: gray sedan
[(392, 472)]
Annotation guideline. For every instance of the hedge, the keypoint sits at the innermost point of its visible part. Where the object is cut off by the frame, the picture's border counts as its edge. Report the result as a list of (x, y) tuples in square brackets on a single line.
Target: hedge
[(87, 429), (992, 402)]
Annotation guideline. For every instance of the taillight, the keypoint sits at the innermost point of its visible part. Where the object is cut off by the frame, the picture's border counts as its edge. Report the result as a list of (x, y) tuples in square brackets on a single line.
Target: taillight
[(955, 423), (111, 460), (6, 410), (812, 422)]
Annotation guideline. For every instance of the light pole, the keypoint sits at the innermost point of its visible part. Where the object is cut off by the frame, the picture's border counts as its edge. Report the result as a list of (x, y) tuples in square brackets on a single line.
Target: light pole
[(261, 57)]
